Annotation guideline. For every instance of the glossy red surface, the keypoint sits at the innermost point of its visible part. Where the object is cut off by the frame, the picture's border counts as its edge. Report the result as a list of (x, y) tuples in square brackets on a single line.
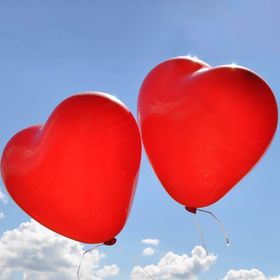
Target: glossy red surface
[(77, 173), (204, 127)]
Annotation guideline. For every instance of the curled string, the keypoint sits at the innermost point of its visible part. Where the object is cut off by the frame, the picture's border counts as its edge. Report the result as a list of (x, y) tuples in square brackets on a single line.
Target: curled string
[(219, 223), (85, 252), (134, 261)]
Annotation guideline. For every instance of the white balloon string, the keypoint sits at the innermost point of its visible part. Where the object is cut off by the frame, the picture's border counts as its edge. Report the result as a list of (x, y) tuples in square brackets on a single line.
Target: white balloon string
[(226, 237), (85, 252), (135, 261), (200, 232)]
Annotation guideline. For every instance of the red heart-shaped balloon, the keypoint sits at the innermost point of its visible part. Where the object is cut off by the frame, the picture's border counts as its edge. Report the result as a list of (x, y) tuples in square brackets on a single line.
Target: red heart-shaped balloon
[(204, 128), (77, 173)]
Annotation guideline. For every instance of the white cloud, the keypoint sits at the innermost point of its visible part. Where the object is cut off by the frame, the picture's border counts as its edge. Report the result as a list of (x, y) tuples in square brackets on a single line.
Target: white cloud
[(3, 198), (173, 266), (253, 274), (43, 255), (2, 215), (149, 241), (148, 251)]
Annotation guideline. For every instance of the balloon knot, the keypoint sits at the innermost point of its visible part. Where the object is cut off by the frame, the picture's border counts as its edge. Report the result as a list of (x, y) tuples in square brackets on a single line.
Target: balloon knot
[(110, 242), (191, 209)]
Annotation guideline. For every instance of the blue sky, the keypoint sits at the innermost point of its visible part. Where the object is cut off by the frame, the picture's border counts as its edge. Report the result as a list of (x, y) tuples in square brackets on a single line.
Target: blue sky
[(52, 49)]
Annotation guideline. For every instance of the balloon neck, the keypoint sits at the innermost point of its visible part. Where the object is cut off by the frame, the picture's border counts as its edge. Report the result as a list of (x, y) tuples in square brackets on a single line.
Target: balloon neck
[(191, 209), (110, 242)]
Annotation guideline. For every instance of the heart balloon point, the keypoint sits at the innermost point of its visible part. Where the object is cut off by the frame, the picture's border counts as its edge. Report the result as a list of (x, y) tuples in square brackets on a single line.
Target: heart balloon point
[(110, 242), (77, 173), (204, 128), (191, 210)]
